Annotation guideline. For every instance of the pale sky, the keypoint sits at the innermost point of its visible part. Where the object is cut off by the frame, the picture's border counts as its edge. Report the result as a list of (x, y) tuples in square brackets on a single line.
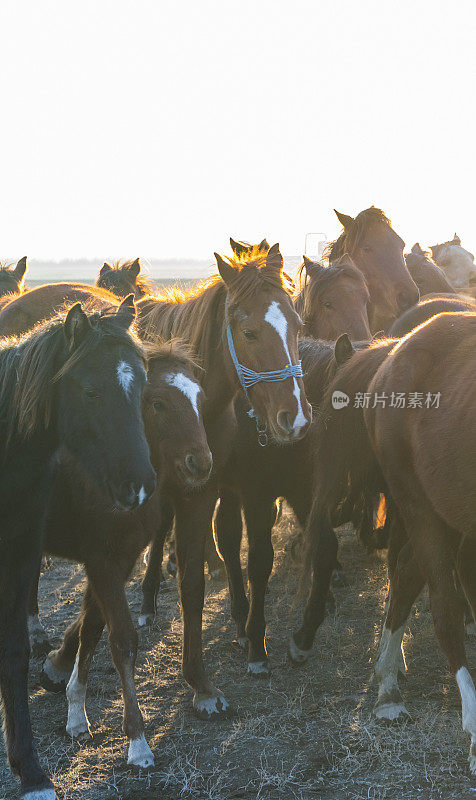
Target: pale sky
[(159, 128)]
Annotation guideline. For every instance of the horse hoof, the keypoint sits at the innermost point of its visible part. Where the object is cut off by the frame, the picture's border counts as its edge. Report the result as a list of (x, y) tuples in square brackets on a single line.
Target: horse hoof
[(39, 644), (52, 679), (140, 754), (296, 655), (241, 642), (145, 619), (391, 712), (259, 669), (39, 794), (209, 708)]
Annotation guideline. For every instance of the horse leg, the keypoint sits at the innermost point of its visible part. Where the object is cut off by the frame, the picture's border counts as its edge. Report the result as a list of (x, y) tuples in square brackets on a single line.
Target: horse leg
[(260, 514), (39, 642), (153, 574), (212, 558), (17, 574), (192, 522), (323, 561), (228, 531), (59, 664), (466, 566), (90, 630), (108, 584), (406, 583)]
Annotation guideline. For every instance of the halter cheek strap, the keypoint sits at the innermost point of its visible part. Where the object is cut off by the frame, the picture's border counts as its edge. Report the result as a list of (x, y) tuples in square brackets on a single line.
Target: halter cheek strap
[(248, 377)]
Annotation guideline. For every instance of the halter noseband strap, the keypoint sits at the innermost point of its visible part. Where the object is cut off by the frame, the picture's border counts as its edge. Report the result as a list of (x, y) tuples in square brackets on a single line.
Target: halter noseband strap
[(248, 377)]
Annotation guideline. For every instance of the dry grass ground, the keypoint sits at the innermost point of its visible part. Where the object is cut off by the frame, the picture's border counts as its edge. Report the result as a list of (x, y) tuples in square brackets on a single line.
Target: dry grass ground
[(304, 733)]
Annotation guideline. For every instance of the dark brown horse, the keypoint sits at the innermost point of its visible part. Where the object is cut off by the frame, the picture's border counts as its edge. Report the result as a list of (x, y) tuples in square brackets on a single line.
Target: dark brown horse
[(82, 528), (333, 300), (252, 298), (123, 278), (11, 280), (427, 455), (377, 251), (428, 276)]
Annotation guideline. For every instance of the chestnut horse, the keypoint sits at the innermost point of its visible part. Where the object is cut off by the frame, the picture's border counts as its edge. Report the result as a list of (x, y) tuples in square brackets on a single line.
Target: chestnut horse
[(428, 276), (11, 280), (82, 528), (123, 278), (428, 307), (427, 455), (256, 476), (377, 251), (65, 391), (248, 313)]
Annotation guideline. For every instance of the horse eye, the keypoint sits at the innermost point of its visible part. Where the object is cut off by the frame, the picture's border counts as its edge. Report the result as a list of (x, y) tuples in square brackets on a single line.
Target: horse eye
[(327, 304), (249, 335), (159, 406), (366, 248)]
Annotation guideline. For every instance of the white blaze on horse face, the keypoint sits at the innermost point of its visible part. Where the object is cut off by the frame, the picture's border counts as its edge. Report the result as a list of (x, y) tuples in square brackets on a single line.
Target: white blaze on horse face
[(275, 317), (125, 376), (191, 389)]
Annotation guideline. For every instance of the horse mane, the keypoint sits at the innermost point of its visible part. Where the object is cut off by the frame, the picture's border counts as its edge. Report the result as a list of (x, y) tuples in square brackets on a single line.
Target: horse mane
[(347, 242), (144, 283), (305, 301), (196, 315), (174, 352), (32, 365)]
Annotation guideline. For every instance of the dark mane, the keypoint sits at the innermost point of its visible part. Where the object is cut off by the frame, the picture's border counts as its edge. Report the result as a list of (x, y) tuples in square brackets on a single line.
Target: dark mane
[(30, 367), (143, 283), (305, 302), (346, 243), (196, 315)]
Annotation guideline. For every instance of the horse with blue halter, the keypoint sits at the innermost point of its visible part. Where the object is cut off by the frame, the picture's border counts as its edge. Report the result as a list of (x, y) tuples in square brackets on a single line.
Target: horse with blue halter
[(66, 389)]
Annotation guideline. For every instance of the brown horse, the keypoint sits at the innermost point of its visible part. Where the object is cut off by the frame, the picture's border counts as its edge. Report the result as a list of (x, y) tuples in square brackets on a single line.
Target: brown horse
[(427, 454), (428, 276), (428, 307), (22, 313), (123, 278), (11, 280), (256, 476), (333, 300), (377, 251), (251, 301), (81, 528)]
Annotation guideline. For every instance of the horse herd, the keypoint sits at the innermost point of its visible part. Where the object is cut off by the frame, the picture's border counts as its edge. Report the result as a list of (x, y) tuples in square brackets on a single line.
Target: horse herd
[(124, 412)]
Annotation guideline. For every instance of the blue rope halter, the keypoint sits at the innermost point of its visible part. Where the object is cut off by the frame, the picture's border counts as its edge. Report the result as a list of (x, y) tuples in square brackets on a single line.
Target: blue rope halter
[(248, 377)]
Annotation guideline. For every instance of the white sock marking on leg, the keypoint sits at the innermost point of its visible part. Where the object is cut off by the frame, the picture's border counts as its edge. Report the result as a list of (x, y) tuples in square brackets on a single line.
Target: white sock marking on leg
[(76, 696), (140, 753)]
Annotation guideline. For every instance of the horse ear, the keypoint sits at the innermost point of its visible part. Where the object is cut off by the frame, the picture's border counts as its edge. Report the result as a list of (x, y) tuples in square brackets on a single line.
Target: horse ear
[(263, 246), (134, 269), (20, 269), (227, 271), (104, 270), (312, 268), (343, 349), (76, 326), (238, 247), (456, 240), (344, 219), (274, 259), (126, 313)]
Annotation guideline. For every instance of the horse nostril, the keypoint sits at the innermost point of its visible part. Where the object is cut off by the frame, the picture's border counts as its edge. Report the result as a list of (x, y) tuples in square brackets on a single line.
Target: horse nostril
[(191, 464), (285, 422), (128, 494)]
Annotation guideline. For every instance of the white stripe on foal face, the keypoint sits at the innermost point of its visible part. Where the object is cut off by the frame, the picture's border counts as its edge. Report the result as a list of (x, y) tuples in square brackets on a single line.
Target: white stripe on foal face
[(125, 376), (191, 389), (275, 317)]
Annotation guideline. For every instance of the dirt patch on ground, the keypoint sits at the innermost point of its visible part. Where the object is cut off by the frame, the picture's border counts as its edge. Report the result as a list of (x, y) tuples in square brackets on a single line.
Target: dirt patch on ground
[(304, 733)]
